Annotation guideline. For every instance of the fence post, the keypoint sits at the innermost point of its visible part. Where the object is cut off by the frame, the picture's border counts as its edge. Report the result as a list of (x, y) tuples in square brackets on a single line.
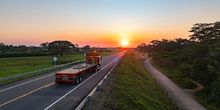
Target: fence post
[(105, 81), (90, 102), (20, 78), (180, 106), (99, 88)]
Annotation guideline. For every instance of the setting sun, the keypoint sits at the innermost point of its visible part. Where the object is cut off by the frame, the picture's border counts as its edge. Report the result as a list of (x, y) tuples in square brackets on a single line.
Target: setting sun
[(124, 42)]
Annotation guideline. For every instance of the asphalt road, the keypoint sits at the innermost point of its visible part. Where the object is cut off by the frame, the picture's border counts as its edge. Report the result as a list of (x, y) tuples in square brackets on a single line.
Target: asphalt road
[(40, 92), (187, 103)]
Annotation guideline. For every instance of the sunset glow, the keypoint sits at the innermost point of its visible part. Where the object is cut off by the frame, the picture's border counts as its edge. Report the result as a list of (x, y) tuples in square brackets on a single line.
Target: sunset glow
[(124, 35), (124, 42), (111, 23)]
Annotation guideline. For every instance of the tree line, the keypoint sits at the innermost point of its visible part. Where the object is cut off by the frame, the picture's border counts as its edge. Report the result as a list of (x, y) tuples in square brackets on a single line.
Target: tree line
[(197, 58), (52, 48), (20, 51)]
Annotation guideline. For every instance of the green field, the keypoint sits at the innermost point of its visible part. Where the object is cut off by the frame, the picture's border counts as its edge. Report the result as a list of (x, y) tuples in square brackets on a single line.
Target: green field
[(131, 87), (18, 65)]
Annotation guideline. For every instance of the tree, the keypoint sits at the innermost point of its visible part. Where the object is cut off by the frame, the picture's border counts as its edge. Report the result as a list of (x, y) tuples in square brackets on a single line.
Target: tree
[(185, 68), (22, 48), (181, 42), (168, 63), (86, 48), (204, 71), (77, 48), (216, 91), (59, 47), (205, 33), (11, 48), (45, 45), (76, 45), (2, 46), (142, 47)]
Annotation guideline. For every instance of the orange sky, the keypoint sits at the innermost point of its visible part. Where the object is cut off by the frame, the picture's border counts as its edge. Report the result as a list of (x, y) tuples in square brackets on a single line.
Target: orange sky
[(101, 23)]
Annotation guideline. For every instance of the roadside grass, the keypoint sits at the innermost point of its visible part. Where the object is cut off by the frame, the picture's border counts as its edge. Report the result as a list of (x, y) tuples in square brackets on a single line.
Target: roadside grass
[(176, 76), (136, 89), (132, 87), (19, 65)]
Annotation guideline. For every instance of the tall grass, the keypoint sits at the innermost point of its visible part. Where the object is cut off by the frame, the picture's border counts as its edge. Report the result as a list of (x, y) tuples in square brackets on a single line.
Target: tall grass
[(134, 88)]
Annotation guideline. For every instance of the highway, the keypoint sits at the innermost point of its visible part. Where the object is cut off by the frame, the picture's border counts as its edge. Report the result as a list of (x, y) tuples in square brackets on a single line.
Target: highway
[(187, 103), (41, 93)]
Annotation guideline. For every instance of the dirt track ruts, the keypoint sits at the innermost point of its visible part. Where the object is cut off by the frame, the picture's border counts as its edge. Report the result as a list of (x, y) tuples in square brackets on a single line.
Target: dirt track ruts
[(181, 98)]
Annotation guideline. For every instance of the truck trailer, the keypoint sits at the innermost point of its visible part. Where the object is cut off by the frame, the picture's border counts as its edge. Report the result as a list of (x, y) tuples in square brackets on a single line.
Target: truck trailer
[(75, 74)]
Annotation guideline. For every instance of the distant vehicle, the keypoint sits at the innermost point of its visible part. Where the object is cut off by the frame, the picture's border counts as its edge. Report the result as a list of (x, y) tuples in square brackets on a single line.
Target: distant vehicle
[(74, 75)]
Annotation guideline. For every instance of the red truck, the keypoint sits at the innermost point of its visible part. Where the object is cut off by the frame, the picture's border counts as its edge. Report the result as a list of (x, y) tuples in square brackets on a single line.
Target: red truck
[(74, 75)]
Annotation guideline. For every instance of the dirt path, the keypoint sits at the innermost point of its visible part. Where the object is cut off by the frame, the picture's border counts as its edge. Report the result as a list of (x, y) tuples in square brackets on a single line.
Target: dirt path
[(182, 99), (190, 92)]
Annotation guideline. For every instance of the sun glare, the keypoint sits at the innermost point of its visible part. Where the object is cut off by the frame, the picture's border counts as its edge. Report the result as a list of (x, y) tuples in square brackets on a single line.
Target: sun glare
[(124, 42), (124, 35)]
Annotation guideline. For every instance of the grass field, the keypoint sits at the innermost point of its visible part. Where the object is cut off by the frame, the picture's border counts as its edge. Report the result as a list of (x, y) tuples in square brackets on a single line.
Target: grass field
[(131, 87), (18, 65)]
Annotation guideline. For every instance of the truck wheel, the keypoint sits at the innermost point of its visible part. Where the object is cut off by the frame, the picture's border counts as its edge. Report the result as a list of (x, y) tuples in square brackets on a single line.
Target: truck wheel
[(98, 67), (95, 69), (80, 77), (77, 79)]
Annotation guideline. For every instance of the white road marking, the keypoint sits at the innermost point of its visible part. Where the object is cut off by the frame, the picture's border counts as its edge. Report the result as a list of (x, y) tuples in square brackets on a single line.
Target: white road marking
[(75, 88), (27, 94), (26, 82)]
